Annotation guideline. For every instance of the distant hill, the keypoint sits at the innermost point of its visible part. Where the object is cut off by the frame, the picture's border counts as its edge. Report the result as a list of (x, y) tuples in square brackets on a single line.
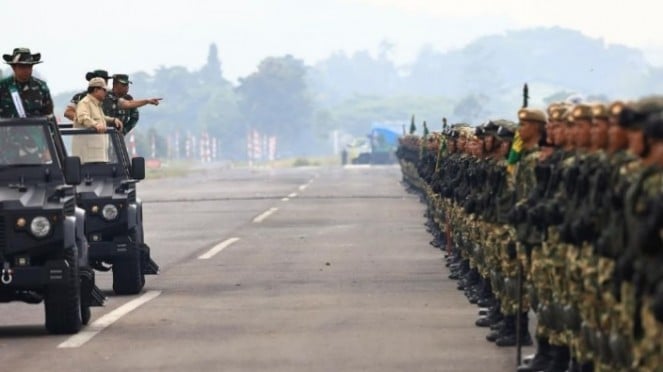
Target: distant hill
[(551, 60)]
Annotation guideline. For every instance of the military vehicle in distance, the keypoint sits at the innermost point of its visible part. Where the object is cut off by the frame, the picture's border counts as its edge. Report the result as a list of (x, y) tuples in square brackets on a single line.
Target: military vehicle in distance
[(114, 215), (43, 252)]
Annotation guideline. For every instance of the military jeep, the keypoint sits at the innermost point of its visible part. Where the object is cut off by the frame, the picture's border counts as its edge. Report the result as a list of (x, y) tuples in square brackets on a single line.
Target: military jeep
[(114, 215), (43, 252)]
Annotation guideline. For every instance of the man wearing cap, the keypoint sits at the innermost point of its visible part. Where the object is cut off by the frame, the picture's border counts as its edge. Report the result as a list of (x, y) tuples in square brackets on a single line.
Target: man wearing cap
[(70, 111), (122, 103), (23, 95), (111, 104), (89, 114)]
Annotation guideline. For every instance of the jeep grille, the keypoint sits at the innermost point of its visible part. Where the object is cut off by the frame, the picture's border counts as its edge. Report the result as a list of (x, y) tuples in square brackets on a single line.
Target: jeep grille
[(131, 196), (69, 207)]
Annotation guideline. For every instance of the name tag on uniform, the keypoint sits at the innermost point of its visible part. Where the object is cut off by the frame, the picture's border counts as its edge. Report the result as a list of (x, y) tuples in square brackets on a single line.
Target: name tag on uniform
[(18, 104)]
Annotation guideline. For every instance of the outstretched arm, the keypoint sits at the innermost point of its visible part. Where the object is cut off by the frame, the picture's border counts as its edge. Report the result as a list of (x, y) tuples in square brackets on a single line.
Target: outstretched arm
[(136, 103)]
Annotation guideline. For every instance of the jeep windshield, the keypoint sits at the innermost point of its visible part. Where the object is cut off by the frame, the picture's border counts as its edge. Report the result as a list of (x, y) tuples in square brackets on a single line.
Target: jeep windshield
[(24, 144), (90, 146)]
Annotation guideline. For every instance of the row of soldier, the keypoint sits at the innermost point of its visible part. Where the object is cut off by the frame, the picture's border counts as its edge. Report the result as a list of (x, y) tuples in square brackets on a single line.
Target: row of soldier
[(561, 214), (23, 95)]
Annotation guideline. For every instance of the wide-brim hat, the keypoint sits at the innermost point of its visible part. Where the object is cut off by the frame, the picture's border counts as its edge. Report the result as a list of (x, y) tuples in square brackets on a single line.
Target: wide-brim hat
[(22, 56)]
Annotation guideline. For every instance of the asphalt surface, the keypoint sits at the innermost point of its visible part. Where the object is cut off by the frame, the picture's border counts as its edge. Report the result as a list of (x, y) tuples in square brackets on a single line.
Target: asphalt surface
[(306, 269)]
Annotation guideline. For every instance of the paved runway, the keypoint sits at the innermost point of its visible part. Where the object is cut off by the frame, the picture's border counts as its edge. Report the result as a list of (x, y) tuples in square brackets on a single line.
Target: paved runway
[(305, 269)]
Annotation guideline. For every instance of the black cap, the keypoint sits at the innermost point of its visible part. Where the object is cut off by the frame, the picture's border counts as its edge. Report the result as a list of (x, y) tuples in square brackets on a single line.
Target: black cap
[(97, 73), (122, 79)]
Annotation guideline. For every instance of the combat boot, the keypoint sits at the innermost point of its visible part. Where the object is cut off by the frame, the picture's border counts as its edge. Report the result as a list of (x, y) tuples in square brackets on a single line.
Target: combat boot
[(509, 338), (494, 316), (560, 359), (541, 358), (501, 328)]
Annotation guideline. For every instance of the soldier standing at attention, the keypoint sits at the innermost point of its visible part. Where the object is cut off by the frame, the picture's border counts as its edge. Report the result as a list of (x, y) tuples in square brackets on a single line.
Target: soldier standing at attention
[(23, 95)]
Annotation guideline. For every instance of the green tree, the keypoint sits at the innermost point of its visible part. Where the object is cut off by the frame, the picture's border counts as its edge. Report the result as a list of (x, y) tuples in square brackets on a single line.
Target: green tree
[(275, 101)]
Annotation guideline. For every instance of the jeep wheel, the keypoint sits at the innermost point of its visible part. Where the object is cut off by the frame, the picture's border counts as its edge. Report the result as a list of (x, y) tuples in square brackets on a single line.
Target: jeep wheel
[(128, 277), (86, 314), (62, 302)]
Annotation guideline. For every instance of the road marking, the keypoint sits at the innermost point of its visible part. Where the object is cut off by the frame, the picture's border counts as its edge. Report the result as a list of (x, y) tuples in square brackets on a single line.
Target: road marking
[(292, 195), (105, 321), (285, 199), (264, 215), (217, 248), (303, 187)]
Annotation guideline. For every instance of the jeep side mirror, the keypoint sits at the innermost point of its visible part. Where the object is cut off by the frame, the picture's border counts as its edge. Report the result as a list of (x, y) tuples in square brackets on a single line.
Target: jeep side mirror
[(138, 168), (72, 170)]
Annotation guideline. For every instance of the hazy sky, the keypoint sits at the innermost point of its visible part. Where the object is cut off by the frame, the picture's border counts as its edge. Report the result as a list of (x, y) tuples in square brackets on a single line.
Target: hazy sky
[(128, 36)]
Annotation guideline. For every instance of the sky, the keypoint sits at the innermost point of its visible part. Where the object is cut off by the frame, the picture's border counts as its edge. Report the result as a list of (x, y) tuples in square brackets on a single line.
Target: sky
[(125, 36)]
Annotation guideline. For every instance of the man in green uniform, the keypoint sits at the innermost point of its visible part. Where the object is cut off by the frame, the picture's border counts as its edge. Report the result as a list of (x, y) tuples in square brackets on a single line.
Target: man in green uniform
[(112, 106), (23, 95)]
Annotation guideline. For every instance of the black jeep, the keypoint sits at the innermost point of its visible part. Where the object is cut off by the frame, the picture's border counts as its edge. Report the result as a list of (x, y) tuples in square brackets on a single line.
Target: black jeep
[(43, 252), (114, 215)]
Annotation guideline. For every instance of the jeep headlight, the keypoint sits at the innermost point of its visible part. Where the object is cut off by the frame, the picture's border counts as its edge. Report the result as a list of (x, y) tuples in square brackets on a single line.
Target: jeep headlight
[(40, 226), (109, 212)]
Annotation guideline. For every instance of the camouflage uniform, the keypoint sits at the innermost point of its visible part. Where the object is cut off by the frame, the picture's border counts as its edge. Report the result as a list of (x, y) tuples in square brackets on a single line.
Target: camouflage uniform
[(129, 117), (34, 94)]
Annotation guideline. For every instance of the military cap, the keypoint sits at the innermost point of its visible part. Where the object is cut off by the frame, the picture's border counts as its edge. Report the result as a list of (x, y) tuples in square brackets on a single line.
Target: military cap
[(554, 107), (653, 127), (559, 112), (582, 112), (480, 131), (97, 82), (635, 115), (97, 73), (122, 79), (527, 114), (22, 56), (491, 127), (507, 130), (615, 108), (599, 111)]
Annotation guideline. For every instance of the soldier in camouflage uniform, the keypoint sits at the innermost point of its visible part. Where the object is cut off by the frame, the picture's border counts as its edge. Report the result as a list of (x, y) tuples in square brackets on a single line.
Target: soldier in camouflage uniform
[(524, 238), (23, 95), (628, 344), (645, 248), (111, 105)]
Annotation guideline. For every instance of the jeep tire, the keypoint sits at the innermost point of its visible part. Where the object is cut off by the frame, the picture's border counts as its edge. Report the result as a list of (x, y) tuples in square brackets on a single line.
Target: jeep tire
[(62, 301), (128, 277)]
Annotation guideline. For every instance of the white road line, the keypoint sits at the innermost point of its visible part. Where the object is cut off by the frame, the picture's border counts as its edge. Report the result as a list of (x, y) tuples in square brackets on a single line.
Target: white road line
[(264, 215), (285, 199), (105, 321), (292, 195), (217, 248), (303, 187)]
